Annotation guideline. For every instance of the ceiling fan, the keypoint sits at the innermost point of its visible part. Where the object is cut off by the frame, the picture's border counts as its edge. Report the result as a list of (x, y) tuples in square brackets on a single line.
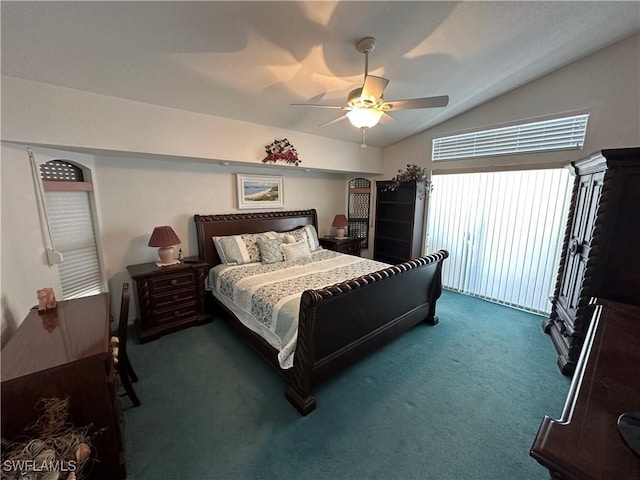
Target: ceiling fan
[(365, 105)]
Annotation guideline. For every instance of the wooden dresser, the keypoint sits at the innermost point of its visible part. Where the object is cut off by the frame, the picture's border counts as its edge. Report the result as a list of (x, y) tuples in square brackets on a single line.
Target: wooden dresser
[(169, 298), (585, 444), (67, 354), (399, 222), (601, 251)]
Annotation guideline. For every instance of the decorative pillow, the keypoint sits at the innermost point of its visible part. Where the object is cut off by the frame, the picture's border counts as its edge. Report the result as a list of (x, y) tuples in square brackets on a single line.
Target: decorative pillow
[(308, 234), (295, 251), (240, 249), (220, 250), (251, 244), (288, 238), (232, 250), (270, 250)]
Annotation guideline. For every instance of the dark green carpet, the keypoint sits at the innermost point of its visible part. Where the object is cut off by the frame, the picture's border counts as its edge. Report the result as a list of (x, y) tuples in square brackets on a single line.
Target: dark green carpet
[(461, 400)]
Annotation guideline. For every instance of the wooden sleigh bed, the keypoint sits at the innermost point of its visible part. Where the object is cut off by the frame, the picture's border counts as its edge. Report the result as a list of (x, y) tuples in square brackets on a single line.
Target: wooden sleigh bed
[(339, 324)]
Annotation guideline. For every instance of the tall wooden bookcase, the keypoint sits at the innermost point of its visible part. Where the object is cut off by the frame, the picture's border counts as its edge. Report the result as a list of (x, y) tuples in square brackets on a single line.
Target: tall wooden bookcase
[(601, 250), (399, 222)]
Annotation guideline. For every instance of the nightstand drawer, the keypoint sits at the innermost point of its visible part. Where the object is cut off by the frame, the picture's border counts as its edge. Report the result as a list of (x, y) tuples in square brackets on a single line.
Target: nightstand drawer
[(350, 248), (168, 282), (173, 315), (173, 299)]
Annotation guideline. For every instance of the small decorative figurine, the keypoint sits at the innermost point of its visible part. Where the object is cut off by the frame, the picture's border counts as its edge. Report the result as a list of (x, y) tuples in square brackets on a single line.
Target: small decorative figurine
[(46, 300)]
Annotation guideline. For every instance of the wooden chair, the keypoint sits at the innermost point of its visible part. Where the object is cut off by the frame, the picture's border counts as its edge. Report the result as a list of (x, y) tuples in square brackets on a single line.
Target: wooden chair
[(119, 349)]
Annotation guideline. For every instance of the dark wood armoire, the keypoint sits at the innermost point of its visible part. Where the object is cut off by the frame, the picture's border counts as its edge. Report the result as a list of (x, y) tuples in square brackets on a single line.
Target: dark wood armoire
[(601, 250), (399, 222)]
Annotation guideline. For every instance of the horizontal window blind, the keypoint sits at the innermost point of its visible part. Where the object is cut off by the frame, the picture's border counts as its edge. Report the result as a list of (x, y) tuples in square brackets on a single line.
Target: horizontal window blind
[(547, 135), (503, 232), (71, 224)]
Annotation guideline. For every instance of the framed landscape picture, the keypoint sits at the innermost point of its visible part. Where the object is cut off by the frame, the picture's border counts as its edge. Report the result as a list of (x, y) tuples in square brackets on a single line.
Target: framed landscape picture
[(260, 191)]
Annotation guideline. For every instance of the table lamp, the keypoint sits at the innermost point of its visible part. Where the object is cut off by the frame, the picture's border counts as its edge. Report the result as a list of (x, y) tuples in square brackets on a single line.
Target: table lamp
[(340, 221), (165, 238)]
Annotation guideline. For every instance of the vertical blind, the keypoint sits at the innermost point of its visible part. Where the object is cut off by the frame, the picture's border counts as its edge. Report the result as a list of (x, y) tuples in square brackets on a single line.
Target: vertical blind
[(71, 225), (503, 231)]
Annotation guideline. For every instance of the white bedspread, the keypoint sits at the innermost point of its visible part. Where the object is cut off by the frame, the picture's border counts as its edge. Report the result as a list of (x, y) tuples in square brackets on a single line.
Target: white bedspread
[(266, 297)]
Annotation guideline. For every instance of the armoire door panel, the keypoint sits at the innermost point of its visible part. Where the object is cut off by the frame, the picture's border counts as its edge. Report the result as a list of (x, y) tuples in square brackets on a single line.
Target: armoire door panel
[(594, 201), (581, 209), (601, 255)]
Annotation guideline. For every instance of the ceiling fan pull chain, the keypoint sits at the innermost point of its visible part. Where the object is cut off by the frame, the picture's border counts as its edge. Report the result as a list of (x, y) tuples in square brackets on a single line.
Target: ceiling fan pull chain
[(364, 134)]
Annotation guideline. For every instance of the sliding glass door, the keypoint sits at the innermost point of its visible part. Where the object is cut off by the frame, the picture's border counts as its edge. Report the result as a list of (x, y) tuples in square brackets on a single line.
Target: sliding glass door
[(503, 231)]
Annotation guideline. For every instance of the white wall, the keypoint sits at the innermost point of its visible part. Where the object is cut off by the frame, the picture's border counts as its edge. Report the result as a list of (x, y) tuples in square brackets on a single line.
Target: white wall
[(605, 84), (139, 194), (63, 118)]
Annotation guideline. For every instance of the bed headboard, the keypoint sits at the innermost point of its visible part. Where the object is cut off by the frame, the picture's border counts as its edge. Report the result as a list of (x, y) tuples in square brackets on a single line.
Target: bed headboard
[(208, 226)]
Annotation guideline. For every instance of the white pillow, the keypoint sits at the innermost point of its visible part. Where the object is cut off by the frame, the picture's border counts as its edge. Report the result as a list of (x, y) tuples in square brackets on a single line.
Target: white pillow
[(295, 251), (308, 234)]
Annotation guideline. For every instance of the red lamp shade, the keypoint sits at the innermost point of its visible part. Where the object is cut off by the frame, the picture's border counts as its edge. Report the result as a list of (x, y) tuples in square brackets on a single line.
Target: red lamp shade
[(340, 221), (165, 238)]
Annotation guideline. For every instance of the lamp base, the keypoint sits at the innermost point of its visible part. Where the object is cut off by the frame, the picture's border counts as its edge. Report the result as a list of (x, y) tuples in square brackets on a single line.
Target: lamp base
[(340, 233), (166, 257)]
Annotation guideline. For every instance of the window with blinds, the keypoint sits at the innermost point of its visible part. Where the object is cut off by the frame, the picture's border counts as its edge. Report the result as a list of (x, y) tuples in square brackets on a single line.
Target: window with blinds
[(503, 231), (547, 135), (70, 221)]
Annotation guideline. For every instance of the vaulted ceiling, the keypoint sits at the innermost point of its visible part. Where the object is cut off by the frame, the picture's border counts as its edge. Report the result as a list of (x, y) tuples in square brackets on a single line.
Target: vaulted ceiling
[(250, 60)]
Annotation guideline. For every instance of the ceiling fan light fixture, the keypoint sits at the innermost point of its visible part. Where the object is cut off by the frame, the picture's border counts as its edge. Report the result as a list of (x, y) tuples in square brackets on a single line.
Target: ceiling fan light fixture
[(364, 117)]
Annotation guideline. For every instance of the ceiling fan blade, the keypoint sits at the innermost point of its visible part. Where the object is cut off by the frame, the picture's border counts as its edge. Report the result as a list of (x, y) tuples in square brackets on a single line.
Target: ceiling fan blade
[(317, 105), (388, 119), (335, 120), (427, 102), (373, 88)]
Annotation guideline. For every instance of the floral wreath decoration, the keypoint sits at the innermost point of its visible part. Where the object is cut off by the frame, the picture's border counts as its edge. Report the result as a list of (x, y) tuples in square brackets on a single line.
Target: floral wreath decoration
[(412, 173), (281, 150)]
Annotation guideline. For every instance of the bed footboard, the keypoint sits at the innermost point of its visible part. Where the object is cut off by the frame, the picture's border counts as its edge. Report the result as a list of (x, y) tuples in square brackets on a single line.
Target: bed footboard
[(346, 321)]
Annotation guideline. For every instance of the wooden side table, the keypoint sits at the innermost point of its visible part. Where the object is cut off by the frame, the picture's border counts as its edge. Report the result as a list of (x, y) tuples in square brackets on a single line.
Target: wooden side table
[(348, 245), (169, 298)]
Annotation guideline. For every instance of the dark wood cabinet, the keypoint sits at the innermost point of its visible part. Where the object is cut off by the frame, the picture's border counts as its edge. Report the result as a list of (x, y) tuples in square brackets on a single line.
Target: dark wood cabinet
[(585, 444), (601, 251), (399, 222), (168, 298), (349, 245), (67, 353)]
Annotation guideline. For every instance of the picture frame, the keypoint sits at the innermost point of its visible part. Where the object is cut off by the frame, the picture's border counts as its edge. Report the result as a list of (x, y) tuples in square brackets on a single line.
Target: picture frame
[(260, 191)]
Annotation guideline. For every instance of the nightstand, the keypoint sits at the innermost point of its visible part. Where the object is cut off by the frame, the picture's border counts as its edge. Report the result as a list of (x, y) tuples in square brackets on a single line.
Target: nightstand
[(168, 298), (348, 245)]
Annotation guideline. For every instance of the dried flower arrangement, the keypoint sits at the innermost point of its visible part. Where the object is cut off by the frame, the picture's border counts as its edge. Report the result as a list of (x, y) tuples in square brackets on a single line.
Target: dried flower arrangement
[(281, 150), (55, 450), (412, 173)]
